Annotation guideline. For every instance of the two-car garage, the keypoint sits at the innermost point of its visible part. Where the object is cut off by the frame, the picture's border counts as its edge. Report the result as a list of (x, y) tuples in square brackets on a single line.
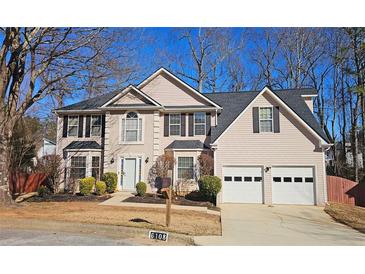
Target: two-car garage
[(289, 184)]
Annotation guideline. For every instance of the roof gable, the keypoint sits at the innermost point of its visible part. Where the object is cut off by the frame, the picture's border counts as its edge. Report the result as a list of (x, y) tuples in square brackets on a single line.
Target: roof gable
[(238, 102)]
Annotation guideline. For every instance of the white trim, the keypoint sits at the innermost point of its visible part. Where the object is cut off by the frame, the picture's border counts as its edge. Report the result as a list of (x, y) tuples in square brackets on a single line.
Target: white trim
[(200, 109), (133, 107), (124, 116), (272, 120), (82, 149), (125, 91), (159, 71), (266, 89), (186, 149), (309, 95), (138, 168), (77, 111)]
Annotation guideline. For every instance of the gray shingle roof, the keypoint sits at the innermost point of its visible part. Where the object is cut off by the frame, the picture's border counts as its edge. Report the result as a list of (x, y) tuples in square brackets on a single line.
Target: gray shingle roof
[(187, 144), (234, 103), (83, 145)]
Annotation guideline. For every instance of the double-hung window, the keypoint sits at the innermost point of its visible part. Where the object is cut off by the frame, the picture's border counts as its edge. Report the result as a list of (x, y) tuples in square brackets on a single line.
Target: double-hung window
[(266, 119), (95, 125), (185, 168), (132, 128), (199, 123), (175, 123), (73, 125), (95, 167), (78, 167)]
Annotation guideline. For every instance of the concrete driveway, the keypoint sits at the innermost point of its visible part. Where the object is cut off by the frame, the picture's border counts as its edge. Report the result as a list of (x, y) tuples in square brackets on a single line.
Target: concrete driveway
[(249, 224)]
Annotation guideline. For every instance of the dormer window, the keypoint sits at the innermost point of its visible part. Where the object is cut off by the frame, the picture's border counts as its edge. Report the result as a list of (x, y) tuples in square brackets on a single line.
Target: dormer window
[(132, 128), (266, 119)]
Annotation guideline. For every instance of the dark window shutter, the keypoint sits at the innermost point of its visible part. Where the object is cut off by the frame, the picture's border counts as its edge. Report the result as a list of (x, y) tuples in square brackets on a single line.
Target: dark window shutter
[(65, 126), (191, 124), (103, 125), (208, 123), (166, 125), (87, 129), (276, 120), (81, 125), (183, 124), (255, 119)]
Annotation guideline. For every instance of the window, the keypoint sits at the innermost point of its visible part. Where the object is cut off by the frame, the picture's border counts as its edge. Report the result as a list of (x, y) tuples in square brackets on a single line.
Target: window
[(277, 179), (78, 167), (73, 125), (266, 119), (248, 179), (185, 168), (238, 179), (95, 167), (287, 179), (308, 180), (132, 128), (228, 178), (298, 179), (199, 123), (257, 179), (175, 123), (95, 125)]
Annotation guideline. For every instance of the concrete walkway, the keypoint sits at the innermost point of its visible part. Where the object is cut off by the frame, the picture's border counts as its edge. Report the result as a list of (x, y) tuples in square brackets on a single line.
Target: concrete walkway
[(119, 197), (246, 224)]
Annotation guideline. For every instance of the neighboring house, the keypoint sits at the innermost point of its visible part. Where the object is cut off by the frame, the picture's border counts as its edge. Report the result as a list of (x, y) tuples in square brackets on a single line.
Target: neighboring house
[(339, 151), (48, 147), (267, 145)]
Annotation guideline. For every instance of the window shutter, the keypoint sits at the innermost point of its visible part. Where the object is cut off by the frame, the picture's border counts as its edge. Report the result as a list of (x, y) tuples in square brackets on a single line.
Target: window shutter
[(103, 125), (87, 130), (65, 126), (255, 119), (276, 120), (166, 125), (183, 124), (191, 124), (81, 125), (207, 123)]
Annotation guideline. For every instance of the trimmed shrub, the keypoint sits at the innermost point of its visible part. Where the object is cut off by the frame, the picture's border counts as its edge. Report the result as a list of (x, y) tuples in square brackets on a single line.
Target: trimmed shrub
[(141, 188), (86, 185), (100, 188), (209, 186), (110, 179), (43, 191)]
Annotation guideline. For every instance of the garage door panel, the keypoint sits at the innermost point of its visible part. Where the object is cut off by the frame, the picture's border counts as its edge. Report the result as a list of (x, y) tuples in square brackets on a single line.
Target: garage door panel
[(293, 185), (242, 185)]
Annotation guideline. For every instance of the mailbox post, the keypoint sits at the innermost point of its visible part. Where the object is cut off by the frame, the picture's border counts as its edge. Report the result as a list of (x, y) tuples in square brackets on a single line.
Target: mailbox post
[(166, 187)]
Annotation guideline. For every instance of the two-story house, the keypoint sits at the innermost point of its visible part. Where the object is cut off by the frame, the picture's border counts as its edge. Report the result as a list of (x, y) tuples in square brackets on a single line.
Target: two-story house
[(267, 145)]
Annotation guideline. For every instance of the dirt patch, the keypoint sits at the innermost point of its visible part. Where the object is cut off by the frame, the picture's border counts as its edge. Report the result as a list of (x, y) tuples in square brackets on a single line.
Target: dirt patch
[(177, 200), (353, 216), (182, 221), (68, 198)]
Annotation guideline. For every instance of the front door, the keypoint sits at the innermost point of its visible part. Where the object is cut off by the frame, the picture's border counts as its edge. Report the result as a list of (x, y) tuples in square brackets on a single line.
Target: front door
[(129, 178)]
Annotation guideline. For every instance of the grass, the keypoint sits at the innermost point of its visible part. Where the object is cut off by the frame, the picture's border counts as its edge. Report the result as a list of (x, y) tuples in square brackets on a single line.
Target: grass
[(353, 216), (182, 221)]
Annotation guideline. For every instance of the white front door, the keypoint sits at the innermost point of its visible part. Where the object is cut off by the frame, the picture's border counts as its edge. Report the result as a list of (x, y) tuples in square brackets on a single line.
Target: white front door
[(293, 185), (129, 177), (242, 184)]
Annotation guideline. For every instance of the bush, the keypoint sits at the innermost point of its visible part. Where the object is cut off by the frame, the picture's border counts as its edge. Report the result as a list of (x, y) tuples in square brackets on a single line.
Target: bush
[(86, 185), (100, 188), (52, 166), (141, 188), (43, 191), (210, 186), (110, 179)]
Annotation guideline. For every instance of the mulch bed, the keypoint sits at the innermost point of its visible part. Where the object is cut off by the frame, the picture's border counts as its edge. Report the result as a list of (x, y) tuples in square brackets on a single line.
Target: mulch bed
[(177, 200), (69, 198)]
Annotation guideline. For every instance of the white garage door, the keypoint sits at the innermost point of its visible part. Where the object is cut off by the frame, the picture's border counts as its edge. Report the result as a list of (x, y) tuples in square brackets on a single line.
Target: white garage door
[(242, 185), (293, 185)]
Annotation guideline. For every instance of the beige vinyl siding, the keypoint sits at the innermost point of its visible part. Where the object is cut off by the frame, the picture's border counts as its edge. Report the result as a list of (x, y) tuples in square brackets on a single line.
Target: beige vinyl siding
[(169, 92), (131, 97), (293, 146), (114, 149)]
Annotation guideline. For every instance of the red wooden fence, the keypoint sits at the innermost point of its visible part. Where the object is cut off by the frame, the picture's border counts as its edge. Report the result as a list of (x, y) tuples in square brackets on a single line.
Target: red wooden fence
[(25, 183), (341, 190)]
